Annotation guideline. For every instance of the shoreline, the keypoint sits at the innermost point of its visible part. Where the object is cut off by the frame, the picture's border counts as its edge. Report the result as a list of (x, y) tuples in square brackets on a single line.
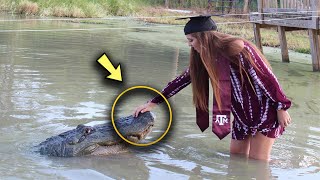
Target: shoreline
[(297, 41)]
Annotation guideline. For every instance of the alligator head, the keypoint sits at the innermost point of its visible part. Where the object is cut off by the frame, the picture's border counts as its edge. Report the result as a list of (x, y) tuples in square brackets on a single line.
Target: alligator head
[(100, 139)]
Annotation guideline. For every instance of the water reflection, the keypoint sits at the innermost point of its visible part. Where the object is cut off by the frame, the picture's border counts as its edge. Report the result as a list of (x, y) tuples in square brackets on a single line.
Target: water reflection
[(121, 166)]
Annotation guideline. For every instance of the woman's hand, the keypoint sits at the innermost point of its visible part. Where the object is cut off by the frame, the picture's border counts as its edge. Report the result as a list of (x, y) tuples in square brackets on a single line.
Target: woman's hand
[(144, 108), (283, 118)]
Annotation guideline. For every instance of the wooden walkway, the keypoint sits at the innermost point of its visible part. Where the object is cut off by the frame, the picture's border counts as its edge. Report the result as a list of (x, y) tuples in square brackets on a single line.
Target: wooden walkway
[(289, 15)]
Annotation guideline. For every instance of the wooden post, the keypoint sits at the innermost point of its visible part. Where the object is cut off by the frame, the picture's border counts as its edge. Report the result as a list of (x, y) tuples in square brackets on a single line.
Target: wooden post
[(257, 25), (283, 44), (314, 45), (314, 35), (260, 10), (315, 6), (257, 36)]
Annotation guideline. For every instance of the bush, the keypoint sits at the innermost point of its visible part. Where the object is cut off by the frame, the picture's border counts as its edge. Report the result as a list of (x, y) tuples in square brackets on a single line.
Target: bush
[(28, 8)]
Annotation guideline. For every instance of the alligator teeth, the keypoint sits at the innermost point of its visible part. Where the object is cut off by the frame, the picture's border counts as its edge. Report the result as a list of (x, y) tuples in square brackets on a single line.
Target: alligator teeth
[(90, 149), (110, 143), (134, 138), (140, 136)]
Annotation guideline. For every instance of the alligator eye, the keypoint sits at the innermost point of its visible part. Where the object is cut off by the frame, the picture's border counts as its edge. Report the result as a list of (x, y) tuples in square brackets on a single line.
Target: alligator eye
[(87, 131)]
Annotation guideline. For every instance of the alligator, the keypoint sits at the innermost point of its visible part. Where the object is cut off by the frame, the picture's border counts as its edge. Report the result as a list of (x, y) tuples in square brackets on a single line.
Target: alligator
[(99, 139)]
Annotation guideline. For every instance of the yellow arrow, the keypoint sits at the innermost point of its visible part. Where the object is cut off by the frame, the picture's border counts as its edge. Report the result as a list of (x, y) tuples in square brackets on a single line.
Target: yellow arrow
[(115, 74)]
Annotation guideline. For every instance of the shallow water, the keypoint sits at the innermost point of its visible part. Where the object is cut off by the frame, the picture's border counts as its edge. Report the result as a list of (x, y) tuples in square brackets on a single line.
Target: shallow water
[(50, 82)]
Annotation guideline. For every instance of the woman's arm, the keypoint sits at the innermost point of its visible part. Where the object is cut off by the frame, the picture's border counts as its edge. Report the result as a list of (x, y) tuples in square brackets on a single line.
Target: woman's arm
[(174, 87), (267, 81), (170, 90), (270, 86)]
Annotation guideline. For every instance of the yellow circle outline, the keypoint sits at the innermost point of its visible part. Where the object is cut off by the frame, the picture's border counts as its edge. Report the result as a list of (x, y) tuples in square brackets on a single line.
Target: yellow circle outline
[(141, 87)]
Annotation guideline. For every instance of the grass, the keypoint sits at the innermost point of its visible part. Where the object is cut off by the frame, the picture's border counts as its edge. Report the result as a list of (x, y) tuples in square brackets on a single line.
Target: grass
[(5, 5), (72, 8), (297, 41)]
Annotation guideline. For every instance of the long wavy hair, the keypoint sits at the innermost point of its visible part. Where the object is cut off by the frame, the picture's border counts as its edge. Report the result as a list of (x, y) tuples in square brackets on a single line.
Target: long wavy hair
[(214, 44)]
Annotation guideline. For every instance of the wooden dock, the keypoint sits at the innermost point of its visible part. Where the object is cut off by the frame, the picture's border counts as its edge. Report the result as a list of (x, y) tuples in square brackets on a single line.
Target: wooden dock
[(289, 15)]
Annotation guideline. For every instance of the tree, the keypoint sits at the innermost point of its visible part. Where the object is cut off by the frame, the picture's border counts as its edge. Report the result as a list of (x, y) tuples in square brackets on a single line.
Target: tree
[(166, 3), (246, 6)]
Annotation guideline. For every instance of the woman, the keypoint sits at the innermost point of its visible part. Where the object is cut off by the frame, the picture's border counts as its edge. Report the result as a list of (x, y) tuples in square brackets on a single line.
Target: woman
[(243, 83)]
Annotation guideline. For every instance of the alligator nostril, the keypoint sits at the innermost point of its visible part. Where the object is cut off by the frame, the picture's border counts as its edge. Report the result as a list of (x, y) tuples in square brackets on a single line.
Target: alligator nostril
[(72, 141)]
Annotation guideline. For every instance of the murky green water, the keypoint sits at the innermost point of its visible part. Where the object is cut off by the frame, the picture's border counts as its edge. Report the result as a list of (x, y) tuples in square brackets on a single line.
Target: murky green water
[(50, 82)]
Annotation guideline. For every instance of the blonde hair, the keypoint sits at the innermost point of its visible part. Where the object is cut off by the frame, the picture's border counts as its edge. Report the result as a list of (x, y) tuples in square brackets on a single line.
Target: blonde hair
[(214, 44)]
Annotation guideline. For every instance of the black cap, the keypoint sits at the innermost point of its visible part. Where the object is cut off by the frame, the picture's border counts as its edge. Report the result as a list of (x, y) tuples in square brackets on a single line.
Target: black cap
[(199, 24)]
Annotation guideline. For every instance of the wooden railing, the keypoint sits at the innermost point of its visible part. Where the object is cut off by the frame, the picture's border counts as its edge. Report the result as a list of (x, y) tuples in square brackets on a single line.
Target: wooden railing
[(295, 13), (290, 15), (288, 4)]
